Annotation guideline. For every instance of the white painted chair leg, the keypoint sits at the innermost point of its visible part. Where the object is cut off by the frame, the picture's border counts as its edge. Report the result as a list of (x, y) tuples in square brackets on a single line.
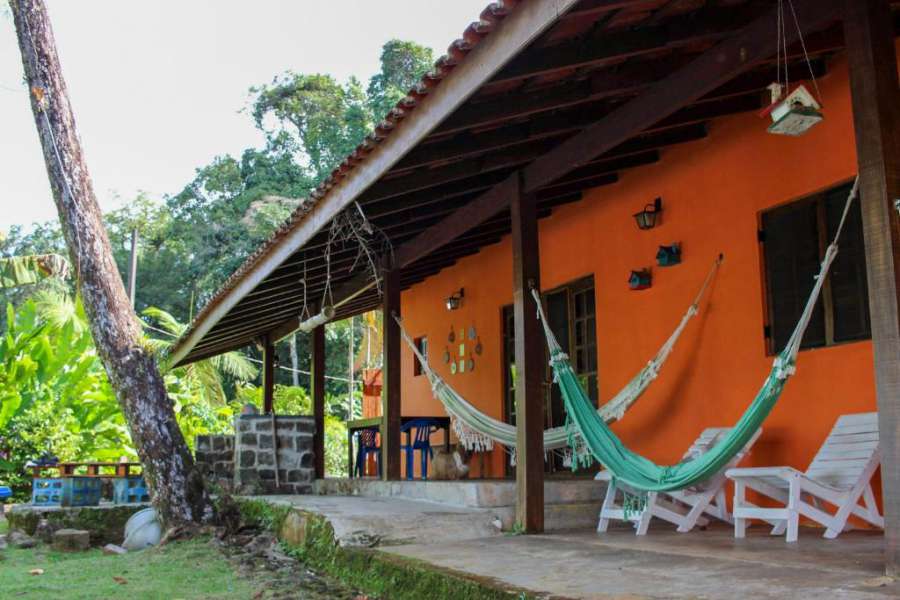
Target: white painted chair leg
[(793, 520), (693, 515), (720, 509), (740, 524), (644, 522), (779, 528), (609, 502), (839, 521), (874, 517)]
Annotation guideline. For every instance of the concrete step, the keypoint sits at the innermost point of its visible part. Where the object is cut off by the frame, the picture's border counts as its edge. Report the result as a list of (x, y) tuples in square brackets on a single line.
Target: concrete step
[(369, 521), (484, 493), (557, 517)]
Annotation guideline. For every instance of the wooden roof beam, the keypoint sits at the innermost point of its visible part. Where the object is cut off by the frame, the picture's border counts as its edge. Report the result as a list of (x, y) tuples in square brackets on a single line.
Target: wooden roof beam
[(603, 47), (709, 71), (624, 80)]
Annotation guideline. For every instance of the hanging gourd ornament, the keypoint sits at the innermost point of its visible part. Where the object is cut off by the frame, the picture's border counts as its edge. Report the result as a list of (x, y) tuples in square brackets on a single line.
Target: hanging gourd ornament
[(794, 114), (639, 280), (668, 256)]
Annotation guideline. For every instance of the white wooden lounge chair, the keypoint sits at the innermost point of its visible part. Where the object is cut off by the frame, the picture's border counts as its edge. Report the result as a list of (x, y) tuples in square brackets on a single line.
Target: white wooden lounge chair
[(685, 508), (839, 474)]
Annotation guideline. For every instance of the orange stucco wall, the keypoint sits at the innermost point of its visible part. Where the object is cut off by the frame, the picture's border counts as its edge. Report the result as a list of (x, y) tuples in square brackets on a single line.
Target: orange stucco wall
[(713, 191)]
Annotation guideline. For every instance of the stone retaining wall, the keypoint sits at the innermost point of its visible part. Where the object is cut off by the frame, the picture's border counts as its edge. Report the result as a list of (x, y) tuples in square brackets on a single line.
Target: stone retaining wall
[(255, 455), (214, 455)]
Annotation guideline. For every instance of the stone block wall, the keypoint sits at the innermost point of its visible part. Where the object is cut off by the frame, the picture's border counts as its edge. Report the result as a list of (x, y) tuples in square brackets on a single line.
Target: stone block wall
[(257, 452), (214, 455)]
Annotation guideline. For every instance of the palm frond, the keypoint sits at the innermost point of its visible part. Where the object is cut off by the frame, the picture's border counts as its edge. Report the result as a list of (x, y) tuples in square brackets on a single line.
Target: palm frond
[(165, 320), (236, 365), (26, 270)]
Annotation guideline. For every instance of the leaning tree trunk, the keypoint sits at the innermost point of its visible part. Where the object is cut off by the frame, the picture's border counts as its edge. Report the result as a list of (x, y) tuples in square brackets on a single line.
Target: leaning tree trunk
[(178, 493)]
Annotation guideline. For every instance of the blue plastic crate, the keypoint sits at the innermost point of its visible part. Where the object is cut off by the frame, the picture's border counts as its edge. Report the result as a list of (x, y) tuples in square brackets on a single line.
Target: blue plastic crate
[(81, 491), (5, 493), (130, 490), (46, 491)]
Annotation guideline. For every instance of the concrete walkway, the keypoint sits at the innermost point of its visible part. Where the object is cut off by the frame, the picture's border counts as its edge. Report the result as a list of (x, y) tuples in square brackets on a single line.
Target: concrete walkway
[(582, 564), (665, 564), (390, 521)]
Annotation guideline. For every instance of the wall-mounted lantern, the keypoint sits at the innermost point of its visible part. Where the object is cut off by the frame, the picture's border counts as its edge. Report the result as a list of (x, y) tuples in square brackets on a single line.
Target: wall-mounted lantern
[(668, 256), (640, 280), (455, 299), (649, 217)]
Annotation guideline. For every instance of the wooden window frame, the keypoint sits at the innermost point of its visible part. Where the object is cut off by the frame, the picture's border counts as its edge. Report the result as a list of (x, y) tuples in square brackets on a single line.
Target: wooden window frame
[(819, 199), (573, 287), (421, 344)]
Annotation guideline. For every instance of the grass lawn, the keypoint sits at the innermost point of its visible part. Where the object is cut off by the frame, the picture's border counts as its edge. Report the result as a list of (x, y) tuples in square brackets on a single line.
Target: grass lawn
[(189, 570)]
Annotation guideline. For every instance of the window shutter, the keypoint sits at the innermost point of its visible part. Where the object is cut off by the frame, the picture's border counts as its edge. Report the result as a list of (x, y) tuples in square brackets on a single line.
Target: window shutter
[(792, 261)]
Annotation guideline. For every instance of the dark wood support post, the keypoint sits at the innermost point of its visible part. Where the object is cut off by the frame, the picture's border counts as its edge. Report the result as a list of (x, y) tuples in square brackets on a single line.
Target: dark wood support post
[(529, 353), (390, 424), (268, 376), (317, 366), (876, 117)]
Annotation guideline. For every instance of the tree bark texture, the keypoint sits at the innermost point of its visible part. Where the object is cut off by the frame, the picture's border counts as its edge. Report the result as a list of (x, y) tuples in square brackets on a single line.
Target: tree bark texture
[(177, 490)]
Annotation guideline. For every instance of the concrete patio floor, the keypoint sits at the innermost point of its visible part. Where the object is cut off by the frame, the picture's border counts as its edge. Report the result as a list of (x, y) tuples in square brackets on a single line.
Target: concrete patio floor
[(703, 564), (579, 563)]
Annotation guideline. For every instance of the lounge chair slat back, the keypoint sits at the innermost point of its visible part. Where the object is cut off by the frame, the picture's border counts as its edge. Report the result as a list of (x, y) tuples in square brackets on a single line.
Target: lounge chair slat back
[(847, 451)]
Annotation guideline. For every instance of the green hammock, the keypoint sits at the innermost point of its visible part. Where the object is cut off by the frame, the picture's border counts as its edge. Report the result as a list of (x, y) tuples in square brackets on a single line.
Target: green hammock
[(586, 427)]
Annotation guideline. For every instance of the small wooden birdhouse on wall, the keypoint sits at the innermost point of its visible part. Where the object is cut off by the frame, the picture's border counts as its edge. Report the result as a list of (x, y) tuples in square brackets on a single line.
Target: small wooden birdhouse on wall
[(640, 280), (794, 114), (668, 256)]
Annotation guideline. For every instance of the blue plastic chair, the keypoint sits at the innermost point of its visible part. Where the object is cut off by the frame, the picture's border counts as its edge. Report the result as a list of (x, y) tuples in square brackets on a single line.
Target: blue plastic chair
[(367, 442), (420, 430)]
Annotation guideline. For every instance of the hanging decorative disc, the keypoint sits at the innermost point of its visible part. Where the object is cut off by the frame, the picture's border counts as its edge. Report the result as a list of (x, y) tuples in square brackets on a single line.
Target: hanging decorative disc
[(446, 355), (471, 364), (453, 368), (478, 347), (472, 333), (452, 337)]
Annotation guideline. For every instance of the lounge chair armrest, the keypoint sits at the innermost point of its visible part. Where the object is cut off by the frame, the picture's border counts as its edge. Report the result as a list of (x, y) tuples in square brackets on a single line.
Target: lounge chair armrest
[(755, 472), (603, 476)]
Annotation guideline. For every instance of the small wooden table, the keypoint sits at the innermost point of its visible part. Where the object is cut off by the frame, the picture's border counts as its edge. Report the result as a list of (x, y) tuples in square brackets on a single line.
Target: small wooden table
[(67, 469), (375, 423)]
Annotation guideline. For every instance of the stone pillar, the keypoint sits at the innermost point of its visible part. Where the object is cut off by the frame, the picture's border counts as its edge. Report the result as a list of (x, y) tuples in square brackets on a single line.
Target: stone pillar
[(258, 452)]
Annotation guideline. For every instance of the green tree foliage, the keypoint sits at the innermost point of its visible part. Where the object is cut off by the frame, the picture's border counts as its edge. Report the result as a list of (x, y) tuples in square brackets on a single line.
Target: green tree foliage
[(402, 66), (54, 395), (314, 115)]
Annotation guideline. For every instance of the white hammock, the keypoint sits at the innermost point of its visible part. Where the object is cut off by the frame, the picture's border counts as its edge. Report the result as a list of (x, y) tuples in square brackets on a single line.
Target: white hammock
[(478, 431)]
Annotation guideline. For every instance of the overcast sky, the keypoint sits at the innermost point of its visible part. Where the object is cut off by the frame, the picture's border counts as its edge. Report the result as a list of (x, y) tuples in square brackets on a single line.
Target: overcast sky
[(157, 86)]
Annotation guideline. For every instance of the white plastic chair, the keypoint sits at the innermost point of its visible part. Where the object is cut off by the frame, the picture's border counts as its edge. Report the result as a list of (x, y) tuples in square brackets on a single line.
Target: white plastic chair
[(839, 474), (685, 508)]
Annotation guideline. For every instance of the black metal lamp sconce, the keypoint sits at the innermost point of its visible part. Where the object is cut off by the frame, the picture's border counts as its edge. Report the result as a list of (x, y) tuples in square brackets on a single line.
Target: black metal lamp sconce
[(640, 280), (649, 217), (455, 299), (668, 256)]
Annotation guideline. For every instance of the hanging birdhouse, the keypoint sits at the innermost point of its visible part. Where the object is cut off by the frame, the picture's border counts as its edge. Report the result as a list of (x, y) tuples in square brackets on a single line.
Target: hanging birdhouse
[(639, 280), (794, 114), (668, 256)]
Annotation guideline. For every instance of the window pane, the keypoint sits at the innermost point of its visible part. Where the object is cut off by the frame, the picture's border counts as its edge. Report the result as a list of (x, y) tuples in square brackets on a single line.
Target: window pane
[(792, 259), (849, 288)]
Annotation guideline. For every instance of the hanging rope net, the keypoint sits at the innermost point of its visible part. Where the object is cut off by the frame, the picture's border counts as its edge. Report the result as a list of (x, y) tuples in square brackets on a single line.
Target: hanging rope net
[(587, 428), (478, 431)]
